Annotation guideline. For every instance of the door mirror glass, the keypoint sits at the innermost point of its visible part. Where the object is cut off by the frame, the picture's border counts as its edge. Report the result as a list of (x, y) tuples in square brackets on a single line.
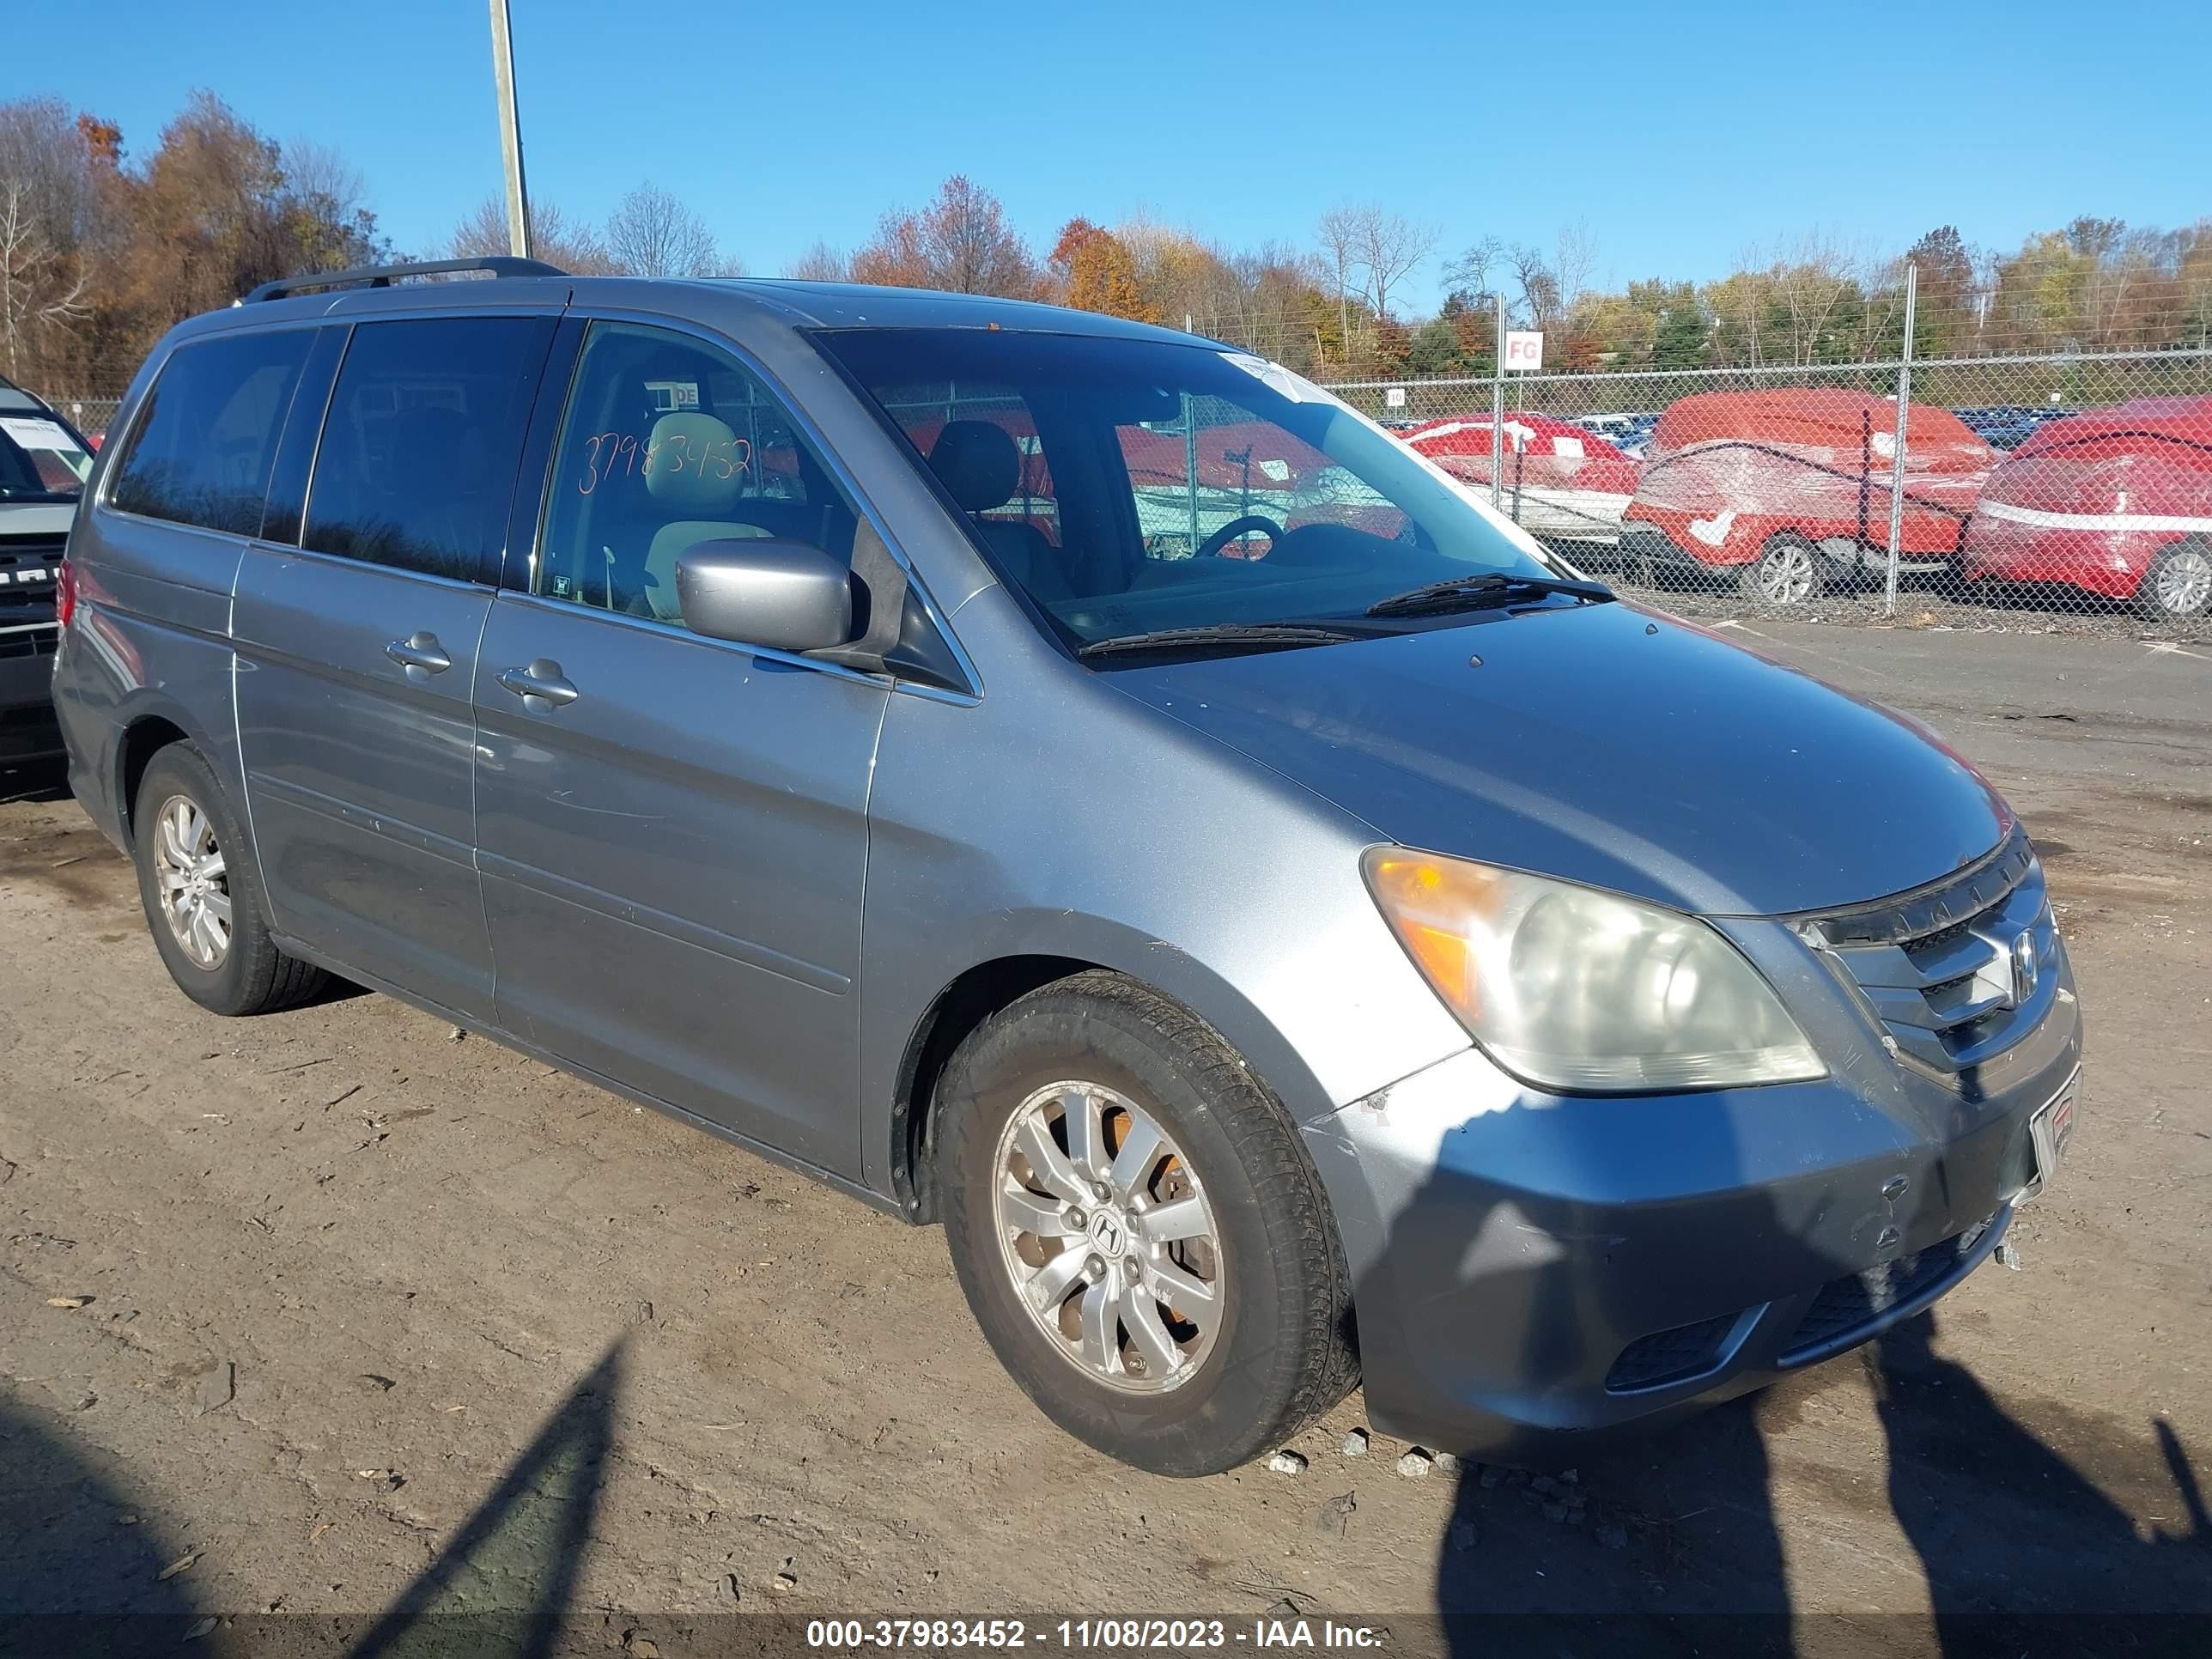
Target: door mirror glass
[(785, 595)]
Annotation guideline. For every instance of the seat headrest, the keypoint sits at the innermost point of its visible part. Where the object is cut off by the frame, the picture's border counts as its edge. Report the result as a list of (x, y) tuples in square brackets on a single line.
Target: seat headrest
[(978, 463), (694, 466)]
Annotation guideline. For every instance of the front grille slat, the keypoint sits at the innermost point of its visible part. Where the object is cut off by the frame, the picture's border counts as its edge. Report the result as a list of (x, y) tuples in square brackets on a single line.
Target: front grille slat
[(1936, 966)]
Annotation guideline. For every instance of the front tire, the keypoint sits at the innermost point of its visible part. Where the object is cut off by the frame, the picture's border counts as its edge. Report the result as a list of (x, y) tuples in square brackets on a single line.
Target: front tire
[(1140, 1235), (203, 899)]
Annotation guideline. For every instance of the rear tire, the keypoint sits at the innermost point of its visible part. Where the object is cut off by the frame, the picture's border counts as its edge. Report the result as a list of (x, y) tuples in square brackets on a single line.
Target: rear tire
[(1046, 1118), (1789, 572), (2177, 585), (203, 896)]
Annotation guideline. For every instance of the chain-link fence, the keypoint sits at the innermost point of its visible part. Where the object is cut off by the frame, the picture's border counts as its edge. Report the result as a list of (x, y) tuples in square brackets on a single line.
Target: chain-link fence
[(2066, 489), (2062, 492), (89, 413)]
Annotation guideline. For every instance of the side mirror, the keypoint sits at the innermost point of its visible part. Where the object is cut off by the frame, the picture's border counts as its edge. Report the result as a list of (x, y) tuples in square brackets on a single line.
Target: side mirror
[(786, 596)]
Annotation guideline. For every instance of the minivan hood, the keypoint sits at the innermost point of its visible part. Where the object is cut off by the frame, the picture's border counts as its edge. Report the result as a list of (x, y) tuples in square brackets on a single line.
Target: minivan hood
[(1604, 744)]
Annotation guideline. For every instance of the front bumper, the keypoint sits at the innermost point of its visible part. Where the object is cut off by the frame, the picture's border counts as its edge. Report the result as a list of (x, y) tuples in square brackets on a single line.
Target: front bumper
[(1527, 1265), (27, 727)]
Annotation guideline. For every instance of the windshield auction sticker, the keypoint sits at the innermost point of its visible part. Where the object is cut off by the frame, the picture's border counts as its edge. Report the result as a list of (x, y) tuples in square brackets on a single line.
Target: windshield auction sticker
[(34, 434)]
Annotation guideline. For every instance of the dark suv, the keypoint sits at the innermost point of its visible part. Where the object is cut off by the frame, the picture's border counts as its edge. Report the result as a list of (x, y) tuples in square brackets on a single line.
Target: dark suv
[(43, 466)]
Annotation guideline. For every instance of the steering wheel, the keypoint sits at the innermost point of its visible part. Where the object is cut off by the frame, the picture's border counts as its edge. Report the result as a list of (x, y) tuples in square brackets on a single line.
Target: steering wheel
[(1212, 546)]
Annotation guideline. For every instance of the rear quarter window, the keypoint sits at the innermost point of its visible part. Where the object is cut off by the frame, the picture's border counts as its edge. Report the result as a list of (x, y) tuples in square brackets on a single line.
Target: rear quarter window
[(201, 451)]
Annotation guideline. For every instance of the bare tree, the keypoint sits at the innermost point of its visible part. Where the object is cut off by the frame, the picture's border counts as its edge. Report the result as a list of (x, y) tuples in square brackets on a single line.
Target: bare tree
[(1339, 234), (42, 152), (576, 249), (1811, 280), (1539, 283), (317, 169), (652, 233), (1575, 257), (1471, 270), (1388, 246), (820, 263), (36, 293)]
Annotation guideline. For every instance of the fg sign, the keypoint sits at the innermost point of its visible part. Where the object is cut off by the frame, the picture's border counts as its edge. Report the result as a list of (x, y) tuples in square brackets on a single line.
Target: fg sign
[(1524, 349)]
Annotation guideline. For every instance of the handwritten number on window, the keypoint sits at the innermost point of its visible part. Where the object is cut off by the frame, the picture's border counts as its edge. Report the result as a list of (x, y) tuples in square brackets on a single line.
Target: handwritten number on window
[(610, 454)]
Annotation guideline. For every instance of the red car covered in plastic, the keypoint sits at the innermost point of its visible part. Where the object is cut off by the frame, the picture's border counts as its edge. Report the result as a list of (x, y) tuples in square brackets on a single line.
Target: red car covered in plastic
[(1558, 481), (1787, 491), (2115, 501)]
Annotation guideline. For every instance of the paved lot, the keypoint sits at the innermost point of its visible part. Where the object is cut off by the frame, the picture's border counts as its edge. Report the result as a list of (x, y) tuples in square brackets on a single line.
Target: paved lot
[(380, 1321)]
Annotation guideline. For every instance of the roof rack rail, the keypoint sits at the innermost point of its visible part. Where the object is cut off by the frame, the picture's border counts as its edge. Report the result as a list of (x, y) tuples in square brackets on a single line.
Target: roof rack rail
[(385, 275)]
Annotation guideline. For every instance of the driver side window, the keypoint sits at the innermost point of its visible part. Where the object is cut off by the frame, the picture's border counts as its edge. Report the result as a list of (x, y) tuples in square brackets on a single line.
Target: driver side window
[(669, 442)]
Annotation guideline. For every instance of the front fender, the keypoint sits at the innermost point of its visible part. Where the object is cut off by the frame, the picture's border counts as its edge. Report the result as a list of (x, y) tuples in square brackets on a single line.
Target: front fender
[(1125, 840)]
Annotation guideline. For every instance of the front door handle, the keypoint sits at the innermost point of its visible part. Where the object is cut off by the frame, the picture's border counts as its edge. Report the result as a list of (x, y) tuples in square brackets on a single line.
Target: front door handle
[(420, 654), (540, 686)]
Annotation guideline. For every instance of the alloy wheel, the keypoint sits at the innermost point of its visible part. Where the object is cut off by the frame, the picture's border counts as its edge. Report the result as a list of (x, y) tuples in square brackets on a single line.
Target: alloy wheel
[(193, 880), (1786, 574), (1108, 1237), (2185, 582)]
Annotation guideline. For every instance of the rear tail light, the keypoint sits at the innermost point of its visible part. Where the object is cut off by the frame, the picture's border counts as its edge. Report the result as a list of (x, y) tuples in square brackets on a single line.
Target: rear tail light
[(65, 593)]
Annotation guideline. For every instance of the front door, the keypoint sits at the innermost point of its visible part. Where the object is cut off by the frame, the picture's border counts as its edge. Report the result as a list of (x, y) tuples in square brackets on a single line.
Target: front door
[(672, 830), (358, 650)]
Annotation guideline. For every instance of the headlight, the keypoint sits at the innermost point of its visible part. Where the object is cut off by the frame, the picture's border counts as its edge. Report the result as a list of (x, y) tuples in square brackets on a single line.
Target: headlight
[(1571, 989)]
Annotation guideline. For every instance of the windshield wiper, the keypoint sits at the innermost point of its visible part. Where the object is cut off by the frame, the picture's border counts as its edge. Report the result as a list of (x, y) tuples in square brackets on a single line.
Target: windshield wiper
[(1482, 591), (1235, 636)]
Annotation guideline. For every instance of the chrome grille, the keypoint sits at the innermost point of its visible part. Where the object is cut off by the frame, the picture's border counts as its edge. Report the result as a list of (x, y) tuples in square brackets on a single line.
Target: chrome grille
[(1944, 968)]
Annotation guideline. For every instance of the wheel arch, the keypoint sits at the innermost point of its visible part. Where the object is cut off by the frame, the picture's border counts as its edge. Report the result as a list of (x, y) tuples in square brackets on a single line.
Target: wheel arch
[(965, 1003), (143, 736), (985, 987)]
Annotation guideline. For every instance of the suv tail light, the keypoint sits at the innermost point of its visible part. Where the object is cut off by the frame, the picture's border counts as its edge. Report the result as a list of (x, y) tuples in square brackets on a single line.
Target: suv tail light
[(65, 593)]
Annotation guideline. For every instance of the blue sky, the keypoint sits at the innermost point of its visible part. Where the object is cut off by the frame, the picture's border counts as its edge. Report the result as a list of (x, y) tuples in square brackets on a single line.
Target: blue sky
[(1678, 135)]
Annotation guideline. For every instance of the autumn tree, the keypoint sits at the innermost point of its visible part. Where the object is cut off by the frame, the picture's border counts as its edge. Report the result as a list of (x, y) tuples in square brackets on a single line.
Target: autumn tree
[(959, 242), (100, 256), (1948, 298), (1091, 269)]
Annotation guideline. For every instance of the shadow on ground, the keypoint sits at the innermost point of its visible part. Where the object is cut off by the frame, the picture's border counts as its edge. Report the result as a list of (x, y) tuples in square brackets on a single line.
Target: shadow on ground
[(2024, 1549), (82, 1571), (82, 1561)]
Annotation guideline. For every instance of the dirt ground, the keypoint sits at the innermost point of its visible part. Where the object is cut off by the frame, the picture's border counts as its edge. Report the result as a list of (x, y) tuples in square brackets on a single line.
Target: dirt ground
[(379, 1323)]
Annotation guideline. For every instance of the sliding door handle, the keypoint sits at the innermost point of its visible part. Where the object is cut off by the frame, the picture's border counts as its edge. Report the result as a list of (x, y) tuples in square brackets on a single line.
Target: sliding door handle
[(420, 654), (540, 686)]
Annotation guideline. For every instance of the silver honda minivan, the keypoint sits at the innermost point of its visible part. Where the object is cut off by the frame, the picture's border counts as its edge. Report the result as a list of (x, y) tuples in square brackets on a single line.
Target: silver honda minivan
[(1087, 785)]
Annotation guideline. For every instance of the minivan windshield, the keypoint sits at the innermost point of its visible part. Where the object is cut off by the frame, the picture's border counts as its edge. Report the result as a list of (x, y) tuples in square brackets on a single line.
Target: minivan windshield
[(40, 459), (1133, 487)]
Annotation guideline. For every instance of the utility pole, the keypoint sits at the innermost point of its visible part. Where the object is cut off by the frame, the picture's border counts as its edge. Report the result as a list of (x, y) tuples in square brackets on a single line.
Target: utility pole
[(510, 132)]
